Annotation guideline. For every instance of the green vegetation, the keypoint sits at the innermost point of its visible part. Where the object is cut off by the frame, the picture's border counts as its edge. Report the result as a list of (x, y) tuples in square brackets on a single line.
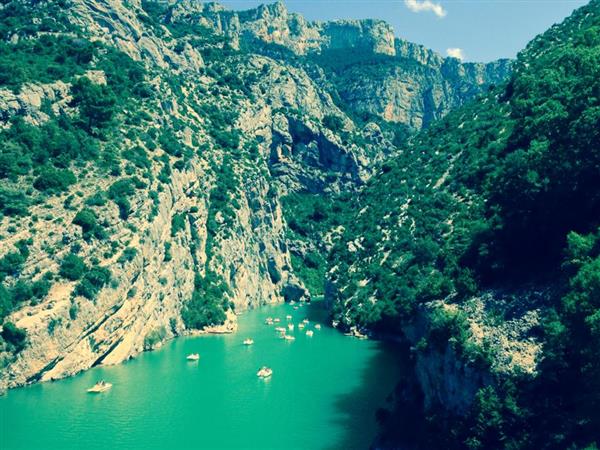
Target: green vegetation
[(91, 279), (208, 303), (127, 255), (96, 103), (72, 267), (154, 337), (14, 336), (54, 180), (92, 282), (309, 217), (178, 223), (121, 190), (11, 265), (88, 221), (496, 194)]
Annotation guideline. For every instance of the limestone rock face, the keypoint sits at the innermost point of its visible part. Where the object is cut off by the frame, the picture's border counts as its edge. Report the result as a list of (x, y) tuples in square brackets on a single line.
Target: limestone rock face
[(119, 23), (274, 24), (243, 243), (404, 82), (215, 210)]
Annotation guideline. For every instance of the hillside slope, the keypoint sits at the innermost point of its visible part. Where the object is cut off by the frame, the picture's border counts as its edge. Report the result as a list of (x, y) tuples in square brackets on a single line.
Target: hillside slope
[(479, 242)]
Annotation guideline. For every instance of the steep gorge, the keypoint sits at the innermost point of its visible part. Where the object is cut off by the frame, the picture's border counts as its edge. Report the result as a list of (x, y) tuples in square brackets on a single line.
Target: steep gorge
[(177, 212)]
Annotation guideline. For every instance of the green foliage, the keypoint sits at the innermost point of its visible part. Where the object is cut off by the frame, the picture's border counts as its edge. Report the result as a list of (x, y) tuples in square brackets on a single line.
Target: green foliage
[(88, 221), (73, 310), (154, 337), (97, 199), (92, 282), (137, 155), (53, 324), (45, 59), (168, 255), (96, 103), (497, 193), (14, 336), (221, 201), (120, 191), (178, 222), (127, 255), (334, 123), (208, 303), (6, 302), (54, 180), (72, 267), (12, 262), (13, 203), (309, 217)]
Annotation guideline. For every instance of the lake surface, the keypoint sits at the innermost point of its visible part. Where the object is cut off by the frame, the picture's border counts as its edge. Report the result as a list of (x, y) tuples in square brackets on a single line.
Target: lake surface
[(322, 395)]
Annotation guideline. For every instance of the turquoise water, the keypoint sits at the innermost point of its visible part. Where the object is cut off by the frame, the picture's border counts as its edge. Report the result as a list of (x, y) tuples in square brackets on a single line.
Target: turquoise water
[(322, 395)]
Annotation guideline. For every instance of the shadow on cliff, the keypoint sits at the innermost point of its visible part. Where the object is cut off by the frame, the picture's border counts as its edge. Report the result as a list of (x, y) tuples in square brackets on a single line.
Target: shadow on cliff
[(356, 420)]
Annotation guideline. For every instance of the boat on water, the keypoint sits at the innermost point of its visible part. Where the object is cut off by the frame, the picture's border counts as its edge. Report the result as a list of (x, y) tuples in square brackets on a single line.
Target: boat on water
[(359, 335), (317, 326), (300, 325), (306, 321), (309, 333), (276, 320), (193, 357), (289, 338), (288, 317), (264, 372), (291, 326), (100, 386), (280, 329), (269, 321), (248, 341)]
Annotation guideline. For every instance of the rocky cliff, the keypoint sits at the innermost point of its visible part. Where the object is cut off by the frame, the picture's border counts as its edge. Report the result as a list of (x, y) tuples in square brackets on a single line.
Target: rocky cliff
[(371, 71), (146, 158), (199, 160)]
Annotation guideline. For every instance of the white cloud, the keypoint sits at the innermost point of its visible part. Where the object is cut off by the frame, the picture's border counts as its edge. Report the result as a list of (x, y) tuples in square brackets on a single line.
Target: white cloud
[(425, 5), (456, 53)]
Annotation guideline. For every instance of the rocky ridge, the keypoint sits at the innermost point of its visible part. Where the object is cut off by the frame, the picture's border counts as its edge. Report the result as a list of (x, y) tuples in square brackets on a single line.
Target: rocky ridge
[(372, 71), (175, 232)]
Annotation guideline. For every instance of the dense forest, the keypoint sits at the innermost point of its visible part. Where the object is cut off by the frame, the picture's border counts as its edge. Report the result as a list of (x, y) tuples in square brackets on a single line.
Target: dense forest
[(502, 193)]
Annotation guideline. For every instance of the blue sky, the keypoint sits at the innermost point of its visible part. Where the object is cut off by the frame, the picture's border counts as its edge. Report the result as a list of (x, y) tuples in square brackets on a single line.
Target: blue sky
[(478, 30)]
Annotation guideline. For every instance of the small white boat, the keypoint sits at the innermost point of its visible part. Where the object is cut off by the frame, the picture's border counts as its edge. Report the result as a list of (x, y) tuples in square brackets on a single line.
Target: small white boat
[(295, 307), (300, 325), (248, 341), (288, 317), (269, 321), (264, 372), (289, 338), (276, 320), (306, 321), (291, 326), (100, 386), (317, 326), (193, 357), (280, 329), (359, 335), (309, 333)]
